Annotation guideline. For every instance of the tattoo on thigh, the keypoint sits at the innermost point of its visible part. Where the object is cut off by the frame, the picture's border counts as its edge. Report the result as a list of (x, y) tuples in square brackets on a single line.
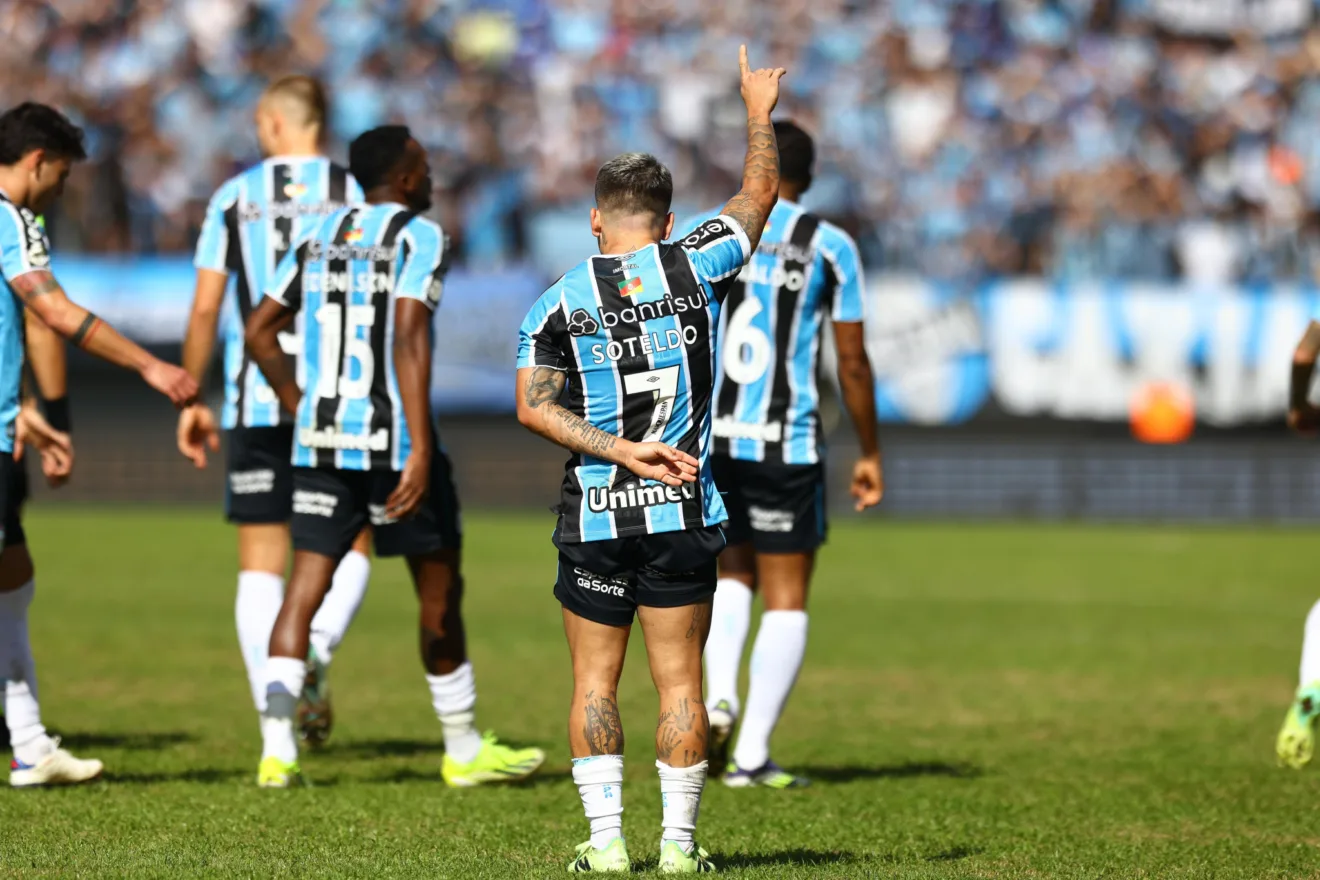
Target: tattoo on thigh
[(700, 615), (603, 730)]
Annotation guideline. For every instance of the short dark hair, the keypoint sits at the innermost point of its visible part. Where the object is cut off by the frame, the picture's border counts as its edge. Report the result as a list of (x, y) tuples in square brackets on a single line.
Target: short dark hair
[(634, 183), (31, 126), (797, 153), (375, 153)]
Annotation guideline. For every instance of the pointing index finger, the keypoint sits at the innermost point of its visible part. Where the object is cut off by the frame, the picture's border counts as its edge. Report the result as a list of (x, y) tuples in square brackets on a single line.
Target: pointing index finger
[(742, 60)]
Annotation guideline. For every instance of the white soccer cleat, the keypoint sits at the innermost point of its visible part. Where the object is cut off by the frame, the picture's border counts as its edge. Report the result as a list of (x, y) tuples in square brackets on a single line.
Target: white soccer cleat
[(56, 768)]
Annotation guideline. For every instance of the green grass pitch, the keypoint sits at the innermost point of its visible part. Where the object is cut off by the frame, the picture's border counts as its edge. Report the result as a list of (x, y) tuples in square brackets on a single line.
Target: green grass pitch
[(978, 701)]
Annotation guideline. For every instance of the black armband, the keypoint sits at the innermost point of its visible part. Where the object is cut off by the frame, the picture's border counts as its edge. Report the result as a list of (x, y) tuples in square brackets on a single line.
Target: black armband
[(57, 413)]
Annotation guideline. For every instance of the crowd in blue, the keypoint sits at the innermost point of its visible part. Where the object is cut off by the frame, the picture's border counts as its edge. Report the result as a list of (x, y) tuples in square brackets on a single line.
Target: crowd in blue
[(960, 139)]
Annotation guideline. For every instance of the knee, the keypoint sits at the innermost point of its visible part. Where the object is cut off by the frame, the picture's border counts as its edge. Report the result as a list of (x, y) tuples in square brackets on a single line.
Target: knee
[(16, 568)]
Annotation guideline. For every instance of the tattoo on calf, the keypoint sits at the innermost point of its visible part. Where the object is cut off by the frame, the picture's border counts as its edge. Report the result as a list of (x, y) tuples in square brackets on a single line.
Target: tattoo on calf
[(603, 730), (675, 726)]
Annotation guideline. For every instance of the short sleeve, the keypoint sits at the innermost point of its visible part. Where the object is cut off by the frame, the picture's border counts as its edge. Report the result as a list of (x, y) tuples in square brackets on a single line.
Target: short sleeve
[(422, 276), (286, 287), (845, 286), (718, 249), (213, 244), (23, 244), (543, 336)]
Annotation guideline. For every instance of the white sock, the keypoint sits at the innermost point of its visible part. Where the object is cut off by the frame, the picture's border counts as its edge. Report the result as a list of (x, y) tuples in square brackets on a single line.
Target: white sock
[(731, 617), (284, 681), (680, 801), (1310, 671), (260, 595), (454, 696), (27, 736), (600, 783), (341, 604), (776, 659)]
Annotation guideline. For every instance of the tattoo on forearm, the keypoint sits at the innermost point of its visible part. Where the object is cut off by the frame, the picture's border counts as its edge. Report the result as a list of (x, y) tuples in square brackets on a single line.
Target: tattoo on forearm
[(751, 206), (34, 284), (603, 729), (580, 435), (85, 331), (545, 385), (685, 725)]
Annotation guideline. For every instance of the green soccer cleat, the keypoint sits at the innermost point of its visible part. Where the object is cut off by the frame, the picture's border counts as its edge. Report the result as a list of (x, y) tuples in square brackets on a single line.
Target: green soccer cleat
[(771, 775), (274, 773), (495, 762), (1296, 743), (722, 721), (315, 716), (613, 859), (676, 860)]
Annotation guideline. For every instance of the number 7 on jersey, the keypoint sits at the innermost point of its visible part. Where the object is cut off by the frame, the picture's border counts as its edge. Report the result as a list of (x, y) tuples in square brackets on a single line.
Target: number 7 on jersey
[(662, 384)]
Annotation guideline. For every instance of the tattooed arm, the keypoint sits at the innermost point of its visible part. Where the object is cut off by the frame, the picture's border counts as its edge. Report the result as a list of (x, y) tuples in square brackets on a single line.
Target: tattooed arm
[(42, 294), (539, 411), (760, 184)]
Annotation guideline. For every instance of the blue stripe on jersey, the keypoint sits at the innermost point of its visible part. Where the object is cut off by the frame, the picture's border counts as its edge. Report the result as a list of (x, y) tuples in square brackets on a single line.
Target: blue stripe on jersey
[(23, 248)]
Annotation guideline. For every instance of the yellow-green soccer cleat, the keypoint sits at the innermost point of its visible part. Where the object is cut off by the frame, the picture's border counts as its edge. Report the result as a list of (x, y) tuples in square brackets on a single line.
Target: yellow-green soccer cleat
[(495, 762), (1296, 742), (613, 859), (274, 773), (676, 860), (771, 775), (315, 716)]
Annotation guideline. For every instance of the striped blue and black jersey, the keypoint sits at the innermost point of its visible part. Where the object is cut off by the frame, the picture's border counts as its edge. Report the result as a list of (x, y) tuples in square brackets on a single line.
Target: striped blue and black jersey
[(636, 334), (23, 249), (767, 399), (251, 223), (343, 280)]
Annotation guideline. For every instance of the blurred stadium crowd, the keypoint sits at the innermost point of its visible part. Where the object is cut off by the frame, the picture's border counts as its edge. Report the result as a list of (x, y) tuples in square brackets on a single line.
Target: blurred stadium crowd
[(959, 138)]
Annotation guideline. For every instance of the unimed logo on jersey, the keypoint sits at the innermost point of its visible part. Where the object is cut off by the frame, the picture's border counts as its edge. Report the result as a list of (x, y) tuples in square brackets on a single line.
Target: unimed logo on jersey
[(603, 498)]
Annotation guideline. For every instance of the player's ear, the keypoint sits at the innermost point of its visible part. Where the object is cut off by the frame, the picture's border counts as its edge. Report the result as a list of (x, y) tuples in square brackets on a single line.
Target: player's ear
[(34, 159), (669, 226), (597, 223)]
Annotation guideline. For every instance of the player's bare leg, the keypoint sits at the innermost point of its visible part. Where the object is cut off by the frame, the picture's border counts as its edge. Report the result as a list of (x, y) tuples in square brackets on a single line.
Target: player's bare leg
[(470, 758), (315, 714), (675, 638), (731, 619), (286, 668), (783, 580), (595, 739), (38, 758)]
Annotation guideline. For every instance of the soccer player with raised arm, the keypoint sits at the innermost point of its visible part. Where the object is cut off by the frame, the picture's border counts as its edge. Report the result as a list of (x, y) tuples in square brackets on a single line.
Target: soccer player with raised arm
[(1295, 745), (364, 285), (38, 146), (252, 222), (769, 456), (616, 363)]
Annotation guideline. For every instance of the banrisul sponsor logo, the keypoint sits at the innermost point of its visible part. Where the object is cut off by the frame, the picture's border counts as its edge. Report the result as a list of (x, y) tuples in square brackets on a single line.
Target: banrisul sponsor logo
[(667, 307), (603, 498)]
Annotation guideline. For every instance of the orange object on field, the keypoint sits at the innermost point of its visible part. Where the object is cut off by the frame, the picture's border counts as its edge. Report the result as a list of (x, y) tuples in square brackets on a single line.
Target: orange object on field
[(1162, 412)]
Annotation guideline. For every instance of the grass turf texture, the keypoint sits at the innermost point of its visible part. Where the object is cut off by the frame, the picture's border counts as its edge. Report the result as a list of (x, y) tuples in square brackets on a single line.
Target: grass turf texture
[(1006, 701)]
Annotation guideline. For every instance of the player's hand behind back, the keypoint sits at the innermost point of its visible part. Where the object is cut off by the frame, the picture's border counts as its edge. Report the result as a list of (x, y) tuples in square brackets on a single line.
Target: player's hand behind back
[(760, 88), (661, 462), (55, 447), (197, 432), (172, 381)]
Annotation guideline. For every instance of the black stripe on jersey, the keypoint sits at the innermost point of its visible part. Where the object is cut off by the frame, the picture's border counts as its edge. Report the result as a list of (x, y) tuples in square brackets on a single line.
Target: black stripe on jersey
[(701, 375), (382, 412), (787, 304), (726, 405), (242, 294), (634, 409), (338, 184), (327, 408)]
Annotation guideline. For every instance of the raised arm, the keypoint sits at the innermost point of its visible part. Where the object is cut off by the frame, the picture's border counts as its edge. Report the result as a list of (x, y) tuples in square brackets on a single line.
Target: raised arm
[(262, 336), (760, 183), (1302, 414), (539, 389), (42, 294)]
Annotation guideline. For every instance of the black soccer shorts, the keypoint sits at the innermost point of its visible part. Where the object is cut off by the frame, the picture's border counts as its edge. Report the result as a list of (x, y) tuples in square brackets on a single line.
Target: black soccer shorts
[(779, 508), (13, 494), (330, 508), (606, 581), (259, 475)]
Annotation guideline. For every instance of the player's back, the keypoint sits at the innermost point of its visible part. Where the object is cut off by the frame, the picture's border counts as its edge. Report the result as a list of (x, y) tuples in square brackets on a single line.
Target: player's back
[(636, 334), (767, 398), (251, 223), (345, 279)]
